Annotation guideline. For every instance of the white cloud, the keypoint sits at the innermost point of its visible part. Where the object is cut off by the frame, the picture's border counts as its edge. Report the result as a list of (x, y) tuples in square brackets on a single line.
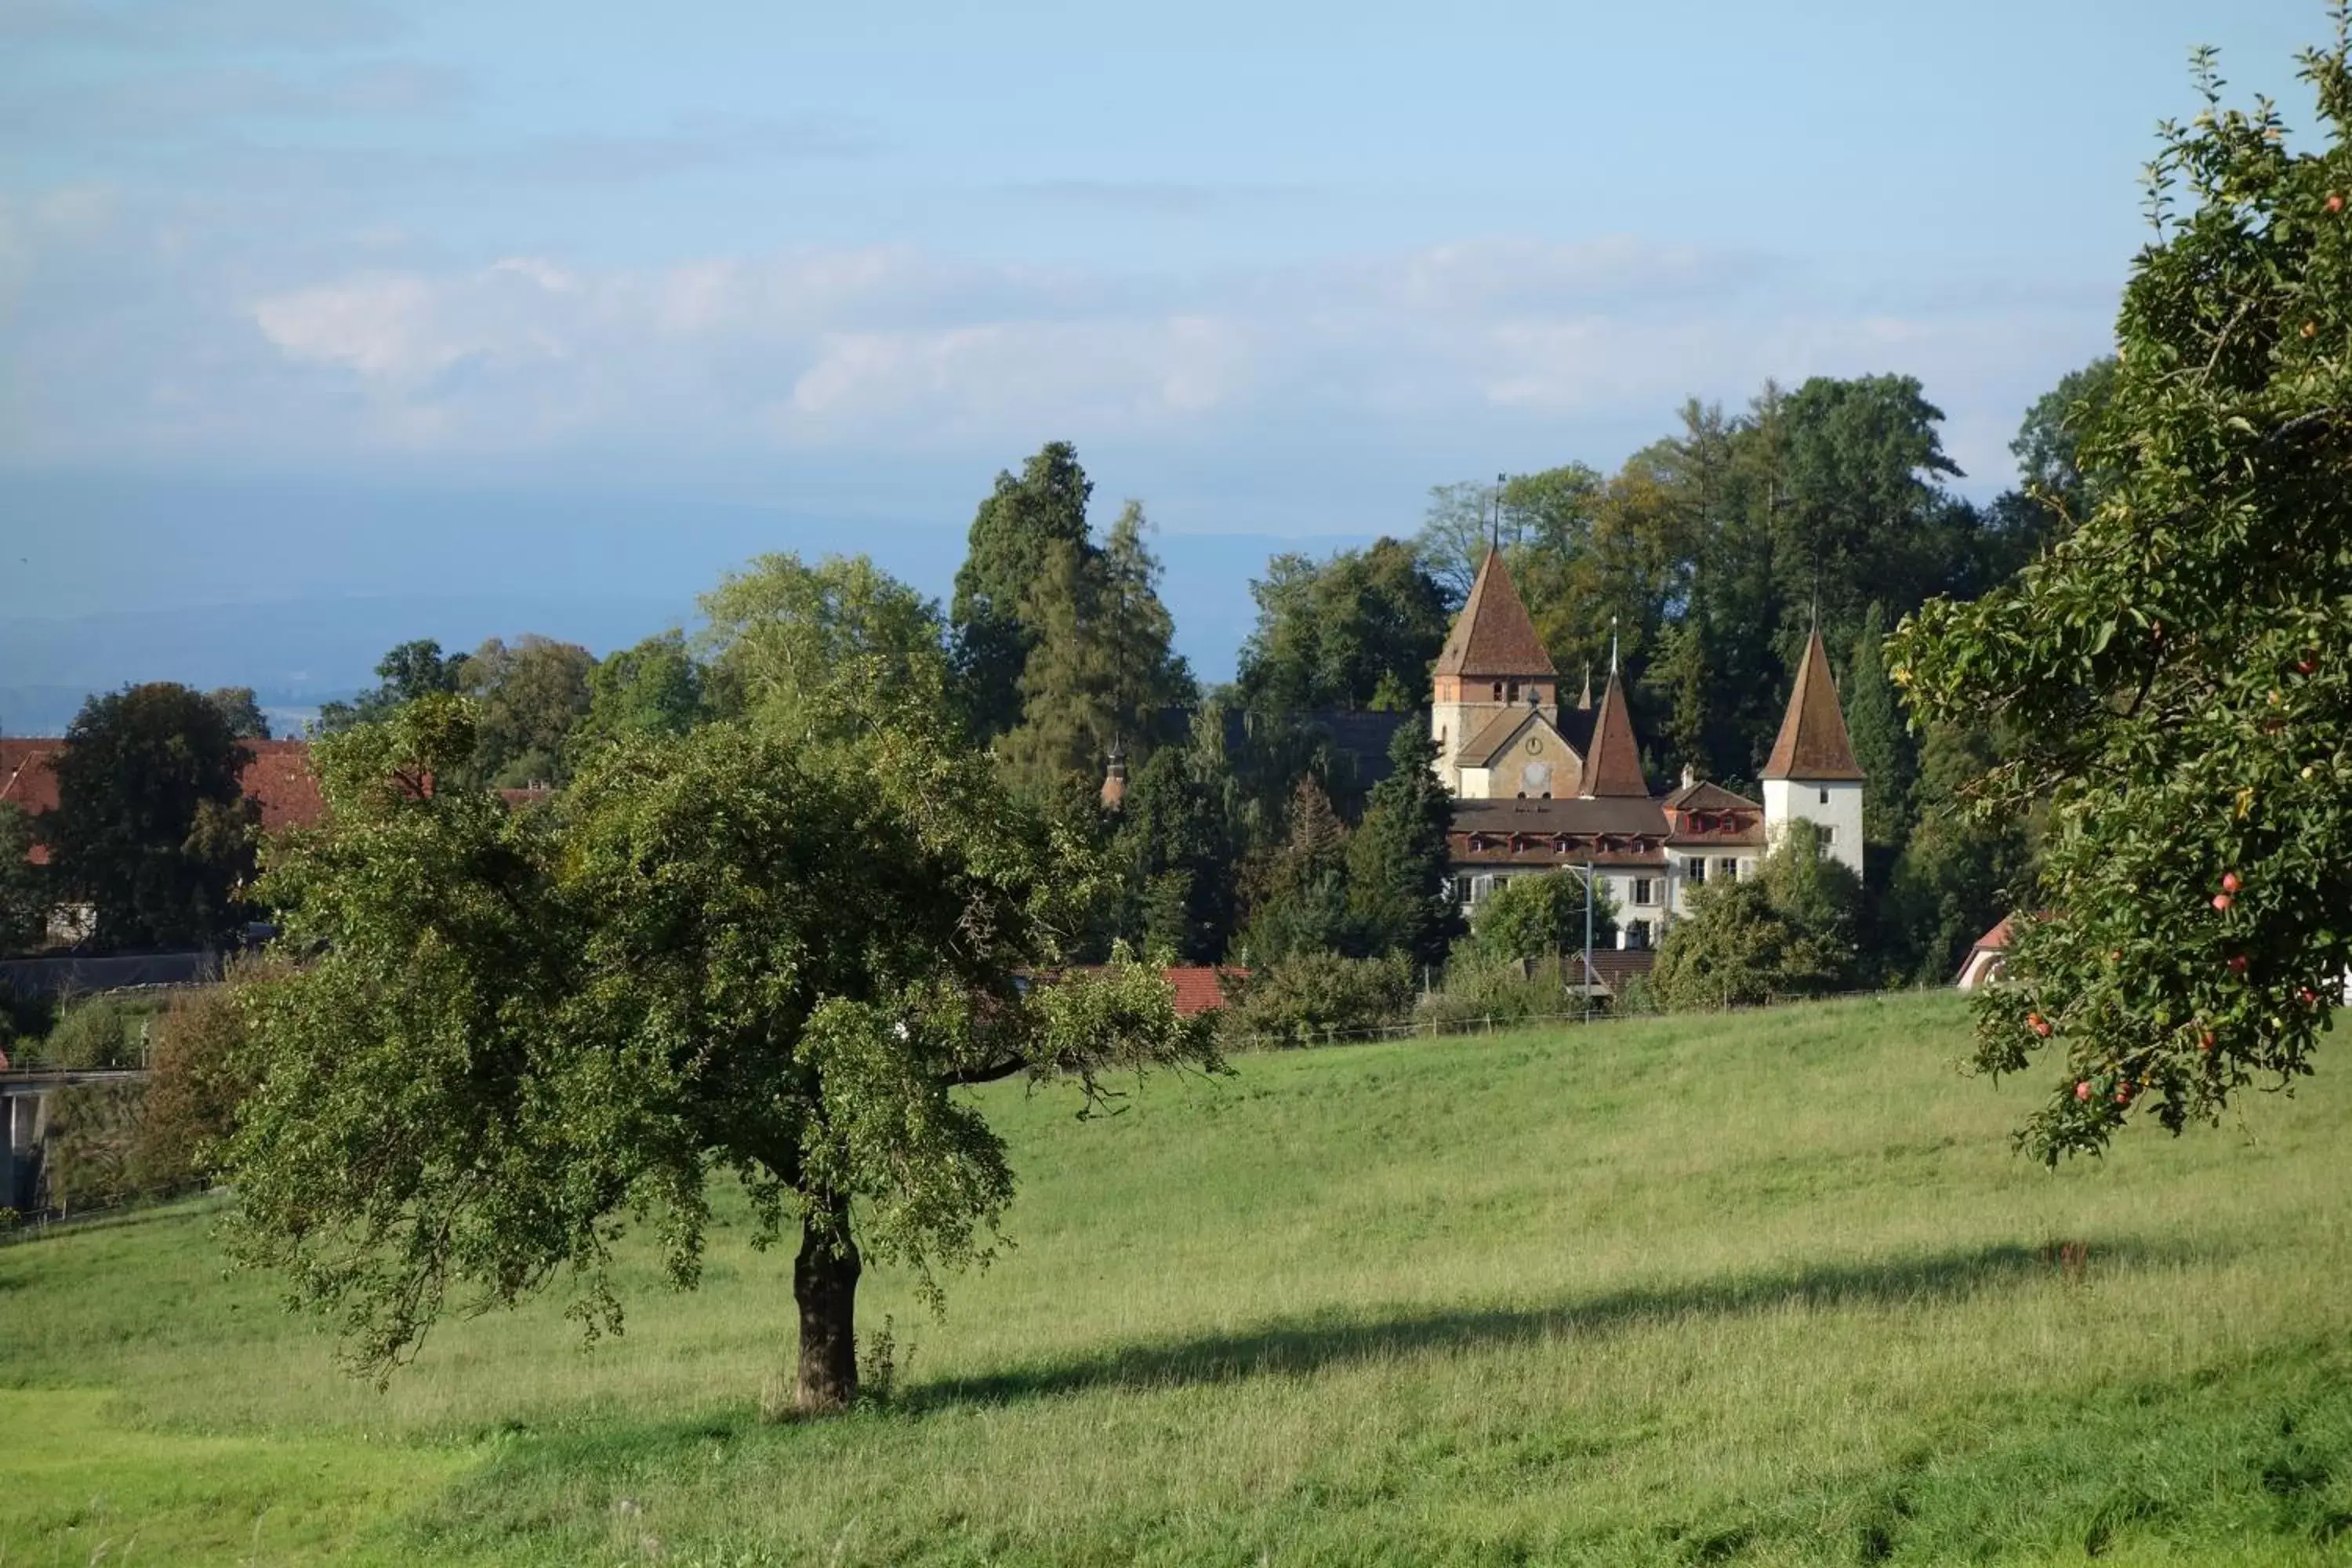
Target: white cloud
[(121, 344)]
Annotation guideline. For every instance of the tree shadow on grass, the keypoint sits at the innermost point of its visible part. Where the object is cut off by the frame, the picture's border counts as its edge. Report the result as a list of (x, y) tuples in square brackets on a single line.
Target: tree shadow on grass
[(1285, 1348)]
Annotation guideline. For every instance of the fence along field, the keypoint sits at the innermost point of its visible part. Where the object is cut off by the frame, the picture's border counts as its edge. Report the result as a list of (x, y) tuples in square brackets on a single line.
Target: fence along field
[(1770, 1287)]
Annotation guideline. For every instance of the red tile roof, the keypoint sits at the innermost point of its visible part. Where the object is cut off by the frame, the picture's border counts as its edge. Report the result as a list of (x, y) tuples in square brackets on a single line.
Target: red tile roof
[(1493, 634), (1813, 743), (1994, 940), (1199, 987), (278, 780)]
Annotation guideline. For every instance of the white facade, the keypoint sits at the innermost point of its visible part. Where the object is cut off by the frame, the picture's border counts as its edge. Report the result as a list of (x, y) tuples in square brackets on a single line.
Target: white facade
[(1833, 805), (1655, 897)]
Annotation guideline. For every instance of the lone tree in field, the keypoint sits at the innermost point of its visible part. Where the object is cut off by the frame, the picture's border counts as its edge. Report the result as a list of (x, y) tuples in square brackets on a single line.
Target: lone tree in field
[(719, 952), (2177, 669)]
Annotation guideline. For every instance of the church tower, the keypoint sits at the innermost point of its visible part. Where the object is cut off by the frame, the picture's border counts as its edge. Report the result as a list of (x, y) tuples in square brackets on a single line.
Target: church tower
[(1811, 773), (1493, 664)]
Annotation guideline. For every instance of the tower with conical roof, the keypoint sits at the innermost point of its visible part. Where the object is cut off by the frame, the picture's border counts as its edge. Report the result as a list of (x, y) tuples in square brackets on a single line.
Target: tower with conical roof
[(1812, 775), (1493, 664)]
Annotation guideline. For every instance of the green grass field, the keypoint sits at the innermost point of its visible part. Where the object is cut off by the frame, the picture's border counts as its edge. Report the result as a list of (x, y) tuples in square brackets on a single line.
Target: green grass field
[(1758, 1288)]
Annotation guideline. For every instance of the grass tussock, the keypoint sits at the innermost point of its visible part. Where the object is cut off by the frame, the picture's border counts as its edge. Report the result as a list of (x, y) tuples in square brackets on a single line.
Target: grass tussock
[(1762, 1289)]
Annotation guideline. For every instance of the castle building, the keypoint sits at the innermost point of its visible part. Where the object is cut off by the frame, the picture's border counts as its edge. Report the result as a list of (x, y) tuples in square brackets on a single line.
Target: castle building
[(1540, 787)]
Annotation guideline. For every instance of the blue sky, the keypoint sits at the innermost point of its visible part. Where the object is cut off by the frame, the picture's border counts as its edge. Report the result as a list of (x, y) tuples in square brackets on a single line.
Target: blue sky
[(536, 305)]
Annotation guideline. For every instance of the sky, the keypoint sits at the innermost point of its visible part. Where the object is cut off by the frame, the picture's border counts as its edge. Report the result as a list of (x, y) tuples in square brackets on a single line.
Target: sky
[(477, 318)]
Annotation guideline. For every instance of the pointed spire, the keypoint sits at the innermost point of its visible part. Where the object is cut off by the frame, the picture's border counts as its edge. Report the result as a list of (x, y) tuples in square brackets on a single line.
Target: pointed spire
[(1585, 701), (1813, 743), (1493, 636), (1613, 647), (1613, 767)]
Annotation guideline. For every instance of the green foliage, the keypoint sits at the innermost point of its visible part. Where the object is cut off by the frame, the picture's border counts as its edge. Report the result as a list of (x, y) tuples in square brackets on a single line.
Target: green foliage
[(816, 652), (1099, 672), (1354, 631), (1310, 995), (91, 1161), (97, 1032), (1179, 840), (1493, 992), (199, 1072), (1957, 873), (652, 689), (1788, 931), (2050, 445), (408, 672), (530, 697), (1540, 915), (241, 712), (1014, 538), (1882, 742), (1298, 902), (726, 952), (24, 898), (1400, 894), (152, 826), (2170, 675)]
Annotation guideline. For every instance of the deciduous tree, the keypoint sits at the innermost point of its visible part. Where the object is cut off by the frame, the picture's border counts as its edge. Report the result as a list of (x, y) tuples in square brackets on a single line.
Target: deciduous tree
[(728, 952), (152, 826), (2173, 673)]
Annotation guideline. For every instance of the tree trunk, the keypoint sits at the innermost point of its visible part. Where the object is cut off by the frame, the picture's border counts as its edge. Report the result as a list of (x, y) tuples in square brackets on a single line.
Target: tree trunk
[(824, 1285)]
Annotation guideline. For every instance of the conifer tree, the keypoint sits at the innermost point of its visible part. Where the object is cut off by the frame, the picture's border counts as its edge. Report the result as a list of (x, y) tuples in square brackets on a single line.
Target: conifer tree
[(1303, 904), (1100, 672), (1016, 539), (1881, 744), (1397, 858)]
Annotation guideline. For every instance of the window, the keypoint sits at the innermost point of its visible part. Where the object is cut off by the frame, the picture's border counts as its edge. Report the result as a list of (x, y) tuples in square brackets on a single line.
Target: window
[(1461, 889), (1645, 890), (1515, 692), (1498, 697), (1829, 835), (1695, 870), (1727, 869), (1637, 932), (1825, 797)]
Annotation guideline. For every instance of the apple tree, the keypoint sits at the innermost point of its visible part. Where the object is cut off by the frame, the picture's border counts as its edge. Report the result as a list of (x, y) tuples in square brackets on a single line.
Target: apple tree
[(716, 953), (2175, 674)]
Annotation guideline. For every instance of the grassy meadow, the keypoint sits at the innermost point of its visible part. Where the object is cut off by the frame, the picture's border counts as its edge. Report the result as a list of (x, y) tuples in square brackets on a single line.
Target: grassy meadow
[(1760, 1289)]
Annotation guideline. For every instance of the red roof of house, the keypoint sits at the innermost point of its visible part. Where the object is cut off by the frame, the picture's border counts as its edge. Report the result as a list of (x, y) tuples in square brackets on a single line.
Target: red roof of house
[(1199, 987), (1994, 940), (278, 780)]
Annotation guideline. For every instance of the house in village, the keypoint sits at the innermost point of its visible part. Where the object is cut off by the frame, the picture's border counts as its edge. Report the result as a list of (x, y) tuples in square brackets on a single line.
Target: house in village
[(1541, 785), (278, 780)]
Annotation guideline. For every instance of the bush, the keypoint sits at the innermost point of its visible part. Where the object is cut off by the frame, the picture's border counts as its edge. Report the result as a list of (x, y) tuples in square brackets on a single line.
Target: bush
[(1541, 916), (1786, 932), (93, 1130), (98, 1033), (1506, 991), (199, 1075), (1309, 997)]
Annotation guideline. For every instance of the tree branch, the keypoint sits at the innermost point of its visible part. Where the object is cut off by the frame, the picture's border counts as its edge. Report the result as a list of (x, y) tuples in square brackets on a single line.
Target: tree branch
[(995, 1073)]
